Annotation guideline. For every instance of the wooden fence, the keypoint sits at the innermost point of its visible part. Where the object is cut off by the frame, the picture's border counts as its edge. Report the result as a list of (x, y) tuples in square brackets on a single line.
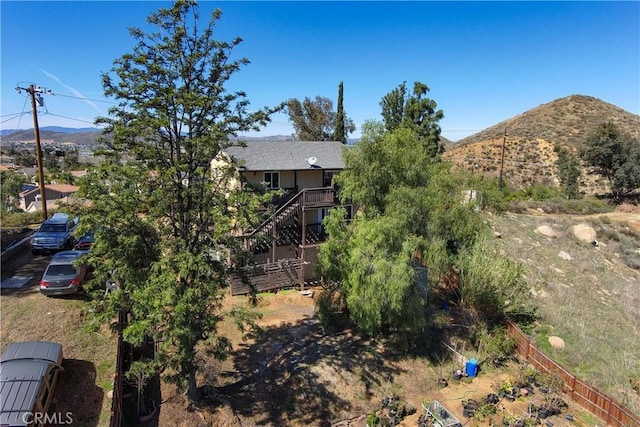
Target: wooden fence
[(116, 402), (587, 396)]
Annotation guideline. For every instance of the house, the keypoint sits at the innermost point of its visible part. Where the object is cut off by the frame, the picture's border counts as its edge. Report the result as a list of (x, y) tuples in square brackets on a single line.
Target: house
[(30, 199), (285, 244), (29, 173)]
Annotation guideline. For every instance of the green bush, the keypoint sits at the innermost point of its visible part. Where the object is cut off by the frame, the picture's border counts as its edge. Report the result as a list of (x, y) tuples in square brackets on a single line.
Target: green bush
[(496, 345), (540, 192), (331, 309), (560, 205), (372, 420), (21, 219), (491, 286)]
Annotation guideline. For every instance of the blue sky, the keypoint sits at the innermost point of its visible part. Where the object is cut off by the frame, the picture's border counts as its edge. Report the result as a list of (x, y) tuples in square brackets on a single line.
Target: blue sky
[(483, 61)]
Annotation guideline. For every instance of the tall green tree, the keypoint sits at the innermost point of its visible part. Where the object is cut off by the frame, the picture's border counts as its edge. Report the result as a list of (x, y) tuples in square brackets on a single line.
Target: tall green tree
[(569, 172), (415, 110), (393, 107), (340, 132), (615, 156), (411, 209), (26, 158), (164, 224), (11, 185), (315, 120)]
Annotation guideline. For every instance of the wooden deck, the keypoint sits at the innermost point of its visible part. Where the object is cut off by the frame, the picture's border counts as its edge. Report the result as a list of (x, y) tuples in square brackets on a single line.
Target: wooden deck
[(284, 273)]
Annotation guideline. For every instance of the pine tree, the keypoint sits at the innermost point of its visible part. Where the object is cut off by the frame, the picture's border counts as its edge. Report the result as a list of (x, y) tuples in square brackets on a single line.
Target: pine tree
[(340, 133), (164, 225)]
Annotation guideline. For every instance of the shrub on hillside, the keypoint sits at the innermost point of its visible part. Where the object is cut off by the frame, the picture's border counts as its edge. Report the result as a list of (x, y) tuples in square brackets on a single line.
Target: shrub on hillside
[(626, 238), (560, 205)]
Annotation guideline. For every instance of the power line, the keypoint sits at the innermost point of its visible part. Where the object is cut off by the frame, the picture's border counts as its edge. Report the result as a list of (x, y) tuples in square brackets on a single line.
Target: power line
[(67, 117), (24, 107), (13, 116), (83, 98)]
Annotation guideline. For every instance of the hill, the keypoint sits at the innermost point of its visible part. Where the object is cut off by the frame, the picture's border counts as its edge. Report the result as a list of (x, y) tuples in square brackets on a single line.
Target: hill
[(529, 140), (82, 137), (89, 136), (4, 132)]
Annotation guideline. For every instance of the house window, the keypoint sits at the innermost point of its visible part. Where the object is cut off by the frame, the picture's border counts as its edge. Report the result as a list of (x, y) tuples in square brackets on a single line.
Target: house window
[(272, 179)]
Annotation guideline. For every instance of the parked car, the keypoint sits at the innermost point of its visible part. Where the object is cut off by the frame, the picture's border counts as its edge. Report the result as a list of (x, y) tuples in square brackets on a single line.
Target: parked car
[(65, 274), (84, 242), (29, 373), (55, 234)]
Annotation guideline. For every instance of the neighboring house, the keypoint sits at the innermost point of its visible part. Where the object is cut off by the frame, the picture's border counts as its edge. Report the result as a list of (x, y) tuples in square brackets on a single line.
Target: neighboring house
[(30, 200), (286, 243), (79, 174), (30, 173)]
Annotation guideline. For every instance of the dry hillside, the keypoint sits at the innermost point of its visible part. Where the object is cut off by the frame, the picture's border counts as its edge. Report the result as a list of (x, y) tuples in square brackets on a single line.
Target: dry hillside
[(530, 139)]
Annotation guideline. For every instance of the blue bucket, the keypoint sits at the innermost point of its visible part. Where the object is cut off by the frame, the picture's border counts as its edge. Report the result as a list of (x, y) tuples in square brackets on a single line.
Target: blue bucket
[(472, 367)]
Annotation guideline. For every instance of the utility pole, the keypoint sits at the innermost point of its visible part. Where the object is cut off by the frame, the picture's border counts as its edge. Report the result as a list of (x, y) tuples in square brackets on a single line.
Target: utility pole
[(32, 90), (504, 140)]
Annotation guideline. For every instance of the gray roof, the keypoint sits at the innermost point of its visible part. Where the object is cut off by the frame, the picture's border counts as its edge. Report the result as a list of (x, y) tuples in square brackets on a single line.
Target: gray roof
[(43, 350), (23, 368), (20, 382), (288, 155)]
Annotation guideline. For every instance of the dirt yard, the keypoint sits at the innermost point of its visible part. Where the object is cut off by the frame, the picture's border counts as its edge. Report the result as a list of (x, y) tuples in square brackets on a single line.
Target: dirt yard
[(295, 373), (89, 357)]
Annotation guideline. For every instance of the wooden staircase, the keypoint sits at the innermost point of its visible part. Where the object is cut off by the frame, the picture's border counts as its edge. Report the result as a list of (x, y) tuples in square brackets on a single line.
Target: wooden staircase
[(281, 226), (284, 227)]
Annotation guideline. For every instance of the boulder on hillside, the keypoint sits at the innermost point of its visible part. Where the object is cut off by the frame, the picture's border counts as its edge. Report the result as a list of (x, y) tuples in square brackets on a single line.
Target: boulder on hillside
[(547, 231), (556, 342), (584, 232), (564, 255)]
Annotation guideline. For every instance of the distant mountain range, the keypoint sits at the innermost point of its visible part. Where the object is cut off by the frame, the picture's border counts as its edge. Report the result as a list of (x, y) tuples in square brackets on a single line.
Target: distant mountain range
[(60, 129), (529, 139)]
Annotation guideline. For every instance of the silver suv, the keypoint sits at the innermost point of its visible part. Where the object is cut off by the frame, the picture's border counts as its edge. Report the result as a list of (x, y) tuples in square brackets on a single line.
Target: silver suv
[(28, 376), (54, 234)]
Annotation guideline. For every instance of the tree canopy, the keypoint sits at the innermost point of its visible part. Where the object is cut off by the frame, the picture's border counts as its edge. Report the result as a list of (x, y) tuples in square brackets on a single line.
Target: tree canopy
[(615, 156), (568, 166), (415, 110), (411, 208), (315, 120), (163, 225), (11, 183)]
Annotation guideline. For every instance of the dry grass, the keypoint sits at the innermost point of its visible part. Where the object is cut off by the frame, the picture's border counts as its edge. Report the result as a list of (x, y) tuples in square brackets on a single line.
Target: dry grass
[(89, 357), (590, 300)]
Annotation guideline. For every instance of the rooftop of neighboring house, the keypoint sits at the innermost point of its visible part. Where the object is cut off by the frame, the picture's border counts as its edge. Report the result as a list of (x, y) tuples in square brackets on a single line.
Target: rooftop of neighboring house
[(60, 188), (29, 172), (289, 155), (36, 205)]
